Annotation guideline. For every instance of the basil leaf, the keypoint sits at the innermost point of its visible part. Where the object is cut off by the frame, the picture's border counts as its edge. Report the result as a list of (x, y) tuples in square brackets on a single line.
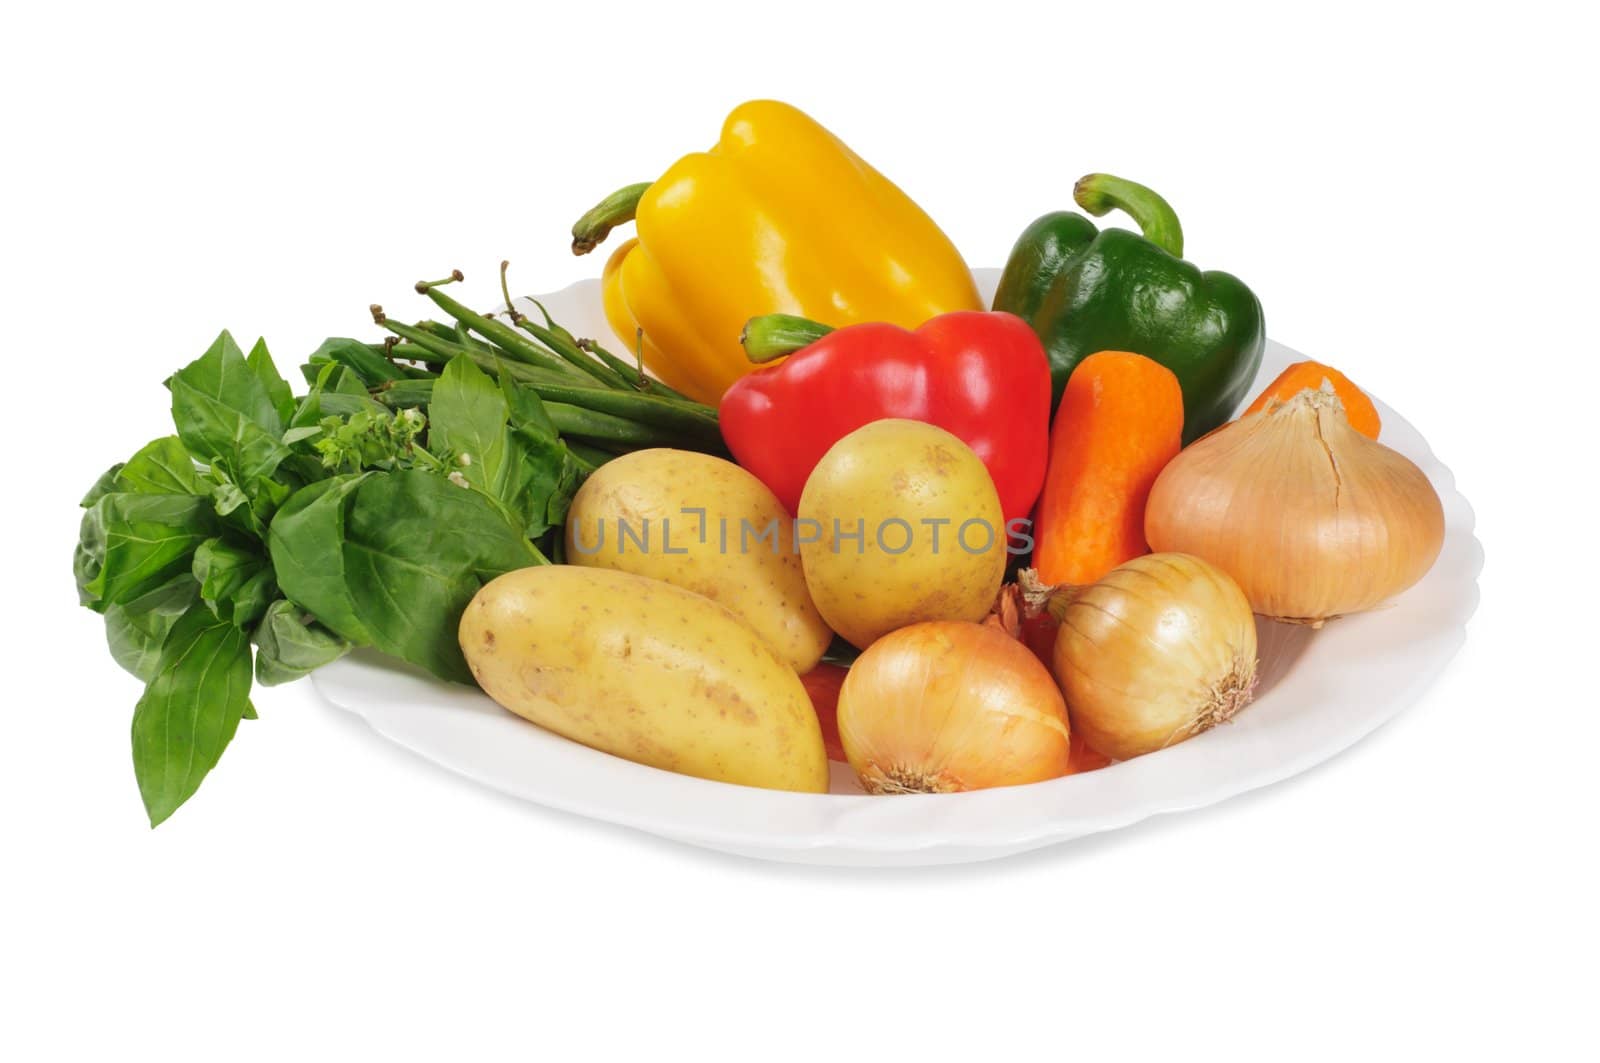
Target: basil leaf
[(547, 480), (260, 362), (103, 486), (246, 514), (344, 382), (250, 601), (306, 544), (340, 393), (309, 410), (226, 416), (372, 367), (161, 467), (392, 559), (129, 544), (547, 476), (416, 549), (303, 426), (528, 415), (304, 432), (467, 417), (290, 644), (566, 485), (223, 567), (517, 457), (136, 631), (235, 581), (227, 497), (190, 710)]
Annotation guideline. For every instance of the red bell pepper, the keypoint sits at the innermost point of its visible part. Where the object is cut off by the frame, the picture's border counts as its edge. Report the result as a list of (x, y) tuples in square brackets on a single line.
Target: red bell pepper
[(983, 377)]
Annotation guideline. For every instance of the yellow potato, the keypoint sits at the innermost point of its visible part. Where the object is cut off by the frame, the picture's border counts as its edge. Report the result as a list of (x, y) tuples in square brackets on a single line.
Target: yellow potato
[(697, 522), (904, 525), (647, 671)]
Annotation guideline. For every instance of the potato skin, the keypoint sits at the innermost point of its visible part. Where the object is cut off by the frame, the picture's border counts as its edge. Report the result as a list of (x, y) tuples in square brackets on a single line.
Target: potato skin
[(647, 671), (761, 585), (899, 470)]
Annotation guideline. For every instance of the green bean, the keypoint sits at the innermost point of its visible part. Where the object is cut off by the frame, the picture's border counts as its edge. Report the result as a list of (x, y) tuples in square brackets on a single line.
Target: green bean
[(638, 378), (699, 422), (575, 355), (596, 428), (465, 337), (410, 352), (646, 409), (509, 339), (632, 374), (453, 333), (603, 428), (485, 359), (549, 322), (400, 394), (557, 338)]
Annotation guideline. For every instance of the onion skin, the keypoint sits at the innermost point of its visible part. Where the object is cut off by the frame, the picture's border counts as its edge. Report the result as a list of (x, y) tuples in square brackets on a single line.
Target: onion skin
[(1313, 519), (947, 706), (1161, 649)]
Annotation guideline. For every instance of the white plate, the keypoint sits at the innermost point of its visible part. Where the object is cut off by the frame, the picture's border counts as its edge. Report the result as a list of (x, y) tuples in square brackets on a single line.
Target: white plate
[(1320, 692)]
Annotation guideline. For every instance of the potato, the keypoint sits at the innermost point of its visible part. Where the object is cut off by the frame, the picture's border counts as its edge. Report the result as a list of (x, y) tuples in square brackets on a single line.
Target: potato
[(904, 525), (647, 671), (638, 513)]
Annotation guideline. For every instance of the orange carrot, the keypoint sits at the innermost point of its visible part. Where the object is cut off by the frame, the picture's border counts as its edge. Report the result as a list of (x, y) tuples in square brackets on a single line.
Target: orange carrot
[(1120, 421), (1301, 375)]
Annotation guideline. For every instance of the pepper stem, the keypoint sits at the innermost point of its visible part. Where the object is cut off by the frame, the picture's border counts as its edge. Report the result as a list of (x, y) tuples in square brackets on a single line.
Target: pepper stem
[(1101, 193), (616, 209), (775, 335)]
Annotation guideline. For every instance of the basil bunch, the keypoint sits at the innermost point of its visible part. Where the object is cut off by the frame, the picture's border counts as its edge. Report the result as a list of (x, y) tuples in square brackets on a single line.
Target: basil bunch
[(306, 526)]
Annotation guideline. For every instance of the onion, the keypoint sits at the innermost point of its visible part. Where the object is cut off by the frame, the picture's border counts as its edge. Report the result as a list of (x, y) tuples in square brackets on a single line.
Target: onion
[(945, 706), (1312, 518), (1161, 649)]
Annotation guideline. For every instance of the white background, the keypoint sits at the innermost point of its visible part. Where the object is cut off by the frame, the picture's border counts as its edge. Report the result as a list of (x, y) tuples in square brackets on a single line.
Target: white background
[(1409, 191)]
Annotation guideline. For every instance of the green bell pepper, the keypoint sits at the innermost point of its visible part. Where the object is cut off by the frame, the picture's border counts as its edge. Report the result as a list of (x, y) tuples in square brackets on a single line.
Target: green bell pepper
[(1084, 290)]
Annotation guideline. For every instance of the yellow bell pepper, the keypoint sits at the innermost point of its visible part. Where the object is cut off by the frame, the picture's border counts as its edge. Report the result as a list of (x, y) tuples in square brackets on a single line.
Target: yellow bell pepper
[(779, 217)]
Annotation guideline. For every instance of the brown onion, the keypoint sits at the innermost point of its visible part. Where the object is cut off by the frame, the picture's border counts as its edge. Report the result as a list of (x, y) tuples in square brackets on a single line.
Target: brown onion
[(1312, 518), (945, 706), (1161, 649)]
